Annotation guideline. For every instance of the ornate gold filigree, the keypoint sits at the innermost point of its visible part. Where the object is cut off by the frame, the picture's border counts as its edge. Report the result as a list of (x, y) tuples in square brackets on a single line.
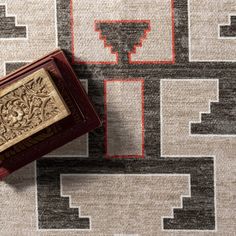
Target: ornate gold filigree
[(28, 106)]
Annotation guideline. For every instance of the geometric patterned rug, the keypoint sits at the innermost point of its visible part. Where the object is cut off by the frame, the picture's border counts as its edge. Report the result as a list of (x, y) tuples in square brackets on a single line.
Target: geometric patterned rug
[(162, 76)]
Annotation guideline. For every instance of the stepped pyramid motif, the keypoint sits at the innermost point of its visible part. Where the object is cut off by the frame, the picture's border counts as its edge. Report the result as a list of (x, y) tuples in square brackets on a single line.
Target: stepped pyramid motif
[(123, 37), (222, 119), (229, 30), (8, 26)]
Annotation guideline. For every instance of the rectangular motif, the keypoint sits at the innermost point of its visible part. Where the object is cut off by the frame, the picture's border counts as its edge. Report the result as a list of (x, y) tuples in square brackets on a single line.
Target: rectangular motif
[(124, 118), (152, 45)]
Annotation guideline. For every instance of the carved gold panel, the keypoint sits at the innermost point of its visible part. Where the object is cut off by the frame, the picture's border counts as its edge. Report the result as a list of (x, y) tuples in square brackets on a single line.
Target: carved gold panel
[(28, 106)]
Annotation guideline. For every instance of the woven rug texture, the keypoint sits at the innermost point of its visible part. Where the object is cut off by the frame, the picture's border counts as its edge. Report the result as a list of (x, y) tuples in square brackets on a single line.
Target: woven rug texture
[(162, 76)]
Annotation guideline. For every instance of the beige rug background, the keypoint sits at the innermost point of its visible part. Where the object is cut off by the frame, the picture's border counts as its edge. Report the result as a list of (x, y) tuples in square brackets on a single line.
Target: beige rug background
[(184, 68)]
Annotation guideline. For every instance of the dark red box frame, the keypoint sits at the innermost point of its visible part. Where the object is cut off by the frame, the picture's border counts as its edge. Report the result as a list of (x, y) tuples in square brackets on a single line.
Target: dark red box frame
[(89, 118)]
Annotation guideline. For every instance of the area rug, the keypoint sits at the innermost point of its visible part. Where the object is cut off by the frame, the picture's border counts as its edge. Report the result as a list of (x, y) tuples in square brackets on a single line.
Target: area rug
[(162, 76)]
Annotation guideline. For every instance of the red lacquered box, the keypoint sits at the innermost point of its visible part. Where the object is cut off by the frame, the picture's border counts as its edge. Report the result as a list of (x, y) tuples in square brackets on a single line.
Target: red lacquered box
[(83, 117)]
